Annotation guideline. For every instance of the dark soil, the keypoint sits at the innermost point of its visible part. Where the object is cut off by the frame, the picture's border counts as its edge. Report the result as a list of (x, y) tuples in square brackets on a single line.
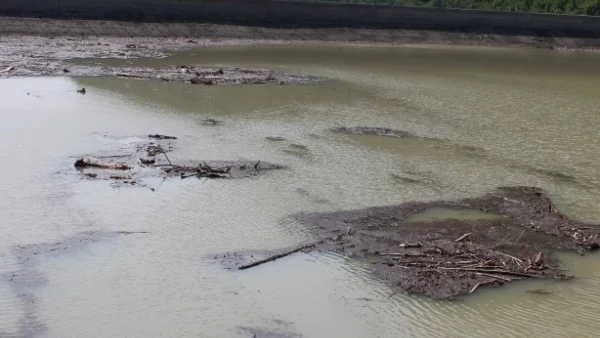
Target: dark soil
[(445, 259)]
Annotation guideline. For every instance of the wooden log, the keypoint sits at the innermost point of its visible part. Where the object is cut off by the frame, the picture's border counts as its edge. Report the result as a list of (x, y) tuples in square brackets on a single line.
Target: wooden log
[(6, 70), (95, 163)]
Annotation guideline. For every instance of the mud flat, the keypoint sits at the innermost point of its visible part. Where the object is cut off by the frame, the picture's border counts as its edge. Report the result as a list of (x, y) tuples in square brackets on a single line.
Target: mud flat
[(149, 158), (507, 235), (39, 56)]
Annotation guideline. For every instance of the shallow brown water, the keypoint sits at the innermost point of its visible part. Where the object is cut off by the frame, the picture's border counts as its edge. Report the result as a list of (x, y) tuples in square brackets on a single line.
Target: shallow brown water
[(483, 117)]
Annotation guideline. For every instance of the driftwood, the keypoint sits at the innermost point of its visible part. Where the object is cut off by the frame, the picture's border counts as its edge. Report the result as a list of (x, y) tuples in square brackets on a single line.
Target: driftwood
[(162, 137), (481, 284), (277, 256), (411, 245), (6, 70), (131, 76), (463, 237), (95, 163)]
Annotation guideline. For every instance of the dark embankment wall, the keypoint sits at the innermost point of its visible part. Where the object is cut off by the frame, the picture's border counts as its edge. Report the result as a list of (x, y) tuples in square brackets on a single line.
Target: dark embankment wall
[(297, 14)]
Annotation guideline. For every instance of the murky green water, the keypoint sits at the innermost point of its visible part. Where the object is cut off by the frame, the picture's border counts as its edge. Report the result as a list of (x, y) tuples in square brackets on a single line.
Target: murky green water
[(501, 117)]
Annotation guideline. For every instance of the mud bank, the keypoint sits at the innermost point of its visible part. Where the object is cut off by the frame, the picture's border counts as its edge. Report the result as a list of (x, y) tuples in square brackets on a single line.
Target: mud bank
[(151, 158), (185, 35), (449, 258), (36, 56)]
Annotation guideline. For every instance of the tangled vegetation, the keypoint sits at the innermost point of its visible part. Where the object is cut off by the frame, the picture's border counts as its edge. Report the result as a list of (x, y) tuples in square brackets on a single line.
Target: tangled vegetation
[(581, 7)]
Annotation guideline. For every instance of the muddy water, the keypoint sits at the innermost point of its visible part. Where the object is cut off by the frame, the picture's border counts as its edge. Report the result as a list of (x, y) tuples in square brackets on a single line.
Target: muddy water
[(481, 118)]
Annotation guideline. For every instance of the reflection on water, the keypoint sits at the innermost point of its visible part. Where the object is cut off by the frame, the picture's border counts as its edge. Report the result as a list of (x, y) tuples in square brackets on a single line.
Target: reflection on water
[(484, 116)]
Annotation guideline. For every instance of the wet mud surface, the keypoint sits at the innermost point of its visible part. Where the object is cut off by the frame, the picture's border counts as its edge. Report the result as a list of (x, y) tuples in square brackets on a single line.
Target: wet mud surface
[(449, 258), (38, 56), (149, 158), (209, 76)]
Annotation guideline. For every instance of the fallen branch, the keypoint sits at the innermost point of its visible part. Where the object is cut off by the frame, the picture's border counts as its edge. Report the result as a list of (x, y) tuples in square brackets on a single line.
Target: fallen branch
[(162, 137), (131, 76), (277, 256), (183, 176), (480, 284), (94, 163), (167, 157), (463, 237), (411, 245), (497, 277), (504, 272), (6, 70)]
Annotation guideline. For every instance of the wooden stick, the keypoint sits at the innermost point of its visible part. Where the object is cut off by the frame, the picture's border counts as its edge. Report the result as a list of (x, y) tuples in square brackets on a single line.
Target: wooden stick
[(463, 237), (504, 272), (277, 256), (164, 153), (6, 70), (475, 288), (131, 76), (522, 232), (497, 277), (481, 284), (519, 261)]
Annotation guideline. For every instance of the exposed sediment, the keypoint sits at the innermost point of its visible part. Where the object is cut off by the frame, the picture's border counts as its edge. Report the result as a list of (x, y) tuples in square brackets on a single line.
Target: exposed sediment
[(446, 259)]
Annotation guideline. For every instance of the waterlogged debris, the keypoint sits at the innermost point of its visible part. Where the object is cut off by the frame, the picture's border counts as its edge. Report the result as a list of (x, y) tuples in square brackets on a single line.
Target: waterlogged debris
[(274, 138), (213, 76), (448, 258), (372, 131), (146, 159), (539, 292), (211, 122), (162, 137)]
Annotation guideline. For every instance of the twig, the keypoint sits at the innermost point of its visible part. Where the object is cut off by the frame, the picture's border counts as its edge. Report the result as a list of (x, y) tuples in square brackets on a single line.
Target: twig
[(519, 261), (279, 255), (475, 288), (167, 157), (480, 284), (502, 241), (518, 238), (496, 276), (186, 176), (411, 245), (256, 165), (131, 76), (504, 272), (463, 237), (6, 70)]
